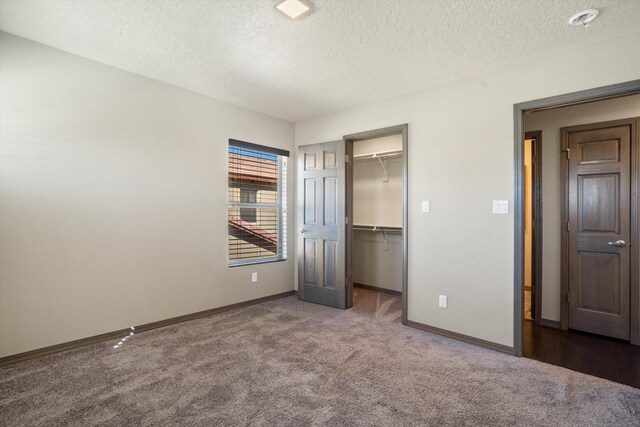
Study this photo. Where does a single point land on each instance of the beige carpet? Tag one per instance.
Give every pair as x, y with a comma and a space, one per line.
286, 362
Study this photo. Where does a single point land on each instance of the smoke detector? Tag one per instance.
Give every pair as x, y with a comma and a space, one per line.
584, 17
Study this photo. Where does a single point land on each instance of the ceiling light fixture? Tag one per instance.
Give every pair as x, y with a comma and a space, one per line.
584, 17
293, 8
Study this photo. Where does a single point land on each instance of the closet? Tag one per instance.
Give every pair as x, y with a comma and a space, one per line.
377, 257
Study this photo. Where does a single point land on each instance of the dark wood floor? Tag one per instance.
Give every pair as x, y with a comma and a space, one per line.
602, 357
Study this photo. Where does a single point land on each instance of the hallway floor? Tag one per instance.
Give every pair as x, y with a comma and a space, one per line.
591, 354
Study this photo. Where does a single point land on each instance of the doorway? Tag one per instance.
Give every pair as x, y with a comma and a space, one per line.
588, 96
576, 210
325, 197
533, 225
398, 225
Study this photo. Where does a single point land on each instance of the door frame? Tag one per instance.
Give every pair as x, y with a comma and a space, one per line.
580, 97
633, 205
536, 202
378, 133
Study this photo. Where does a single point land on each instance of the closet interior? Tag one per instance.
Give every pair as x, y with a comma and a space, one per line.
377, 257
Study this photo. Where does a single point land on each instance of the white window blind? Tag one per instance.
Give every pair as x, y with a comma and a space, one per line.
257, 218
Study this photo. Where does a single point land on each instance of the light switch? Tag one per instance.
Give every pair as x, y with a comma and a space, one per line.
426, 206
442, 301
254, 277
500, 206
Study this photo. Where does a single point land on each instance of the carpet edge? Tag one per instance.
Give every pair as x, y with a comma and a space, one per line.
59, 348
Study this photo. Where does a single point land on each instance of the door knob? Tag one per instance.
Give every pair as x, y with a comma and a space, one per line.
618, 243
301, 230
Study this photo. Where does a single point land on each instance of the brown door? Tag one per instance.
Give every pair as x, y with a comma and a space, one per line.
599, 202
321, 224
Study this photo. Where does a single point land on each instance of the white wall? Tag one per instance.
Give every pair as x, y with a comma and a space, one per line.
377, 262
461, 158
377, 145
377, 202
113, 193
550, 122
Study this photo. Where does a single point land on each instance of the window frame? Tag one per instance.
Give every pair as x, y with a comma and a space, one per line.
280, 205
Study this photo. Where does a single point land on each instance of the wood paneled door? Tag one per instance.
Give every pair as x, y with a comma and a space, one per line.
322, 256
598, 201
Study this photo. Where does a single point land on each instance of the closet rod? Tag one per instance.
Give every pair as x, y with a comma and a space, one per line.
378, 228
385, 231
378, 154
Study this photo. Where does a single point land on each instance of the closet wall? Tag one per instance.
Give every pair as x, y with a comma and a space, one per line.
377, 201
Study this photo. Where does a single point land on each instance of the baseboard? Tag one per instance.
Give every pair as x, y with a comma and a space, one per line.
377, 289
549, 323
58, 348
461, 337
34, 354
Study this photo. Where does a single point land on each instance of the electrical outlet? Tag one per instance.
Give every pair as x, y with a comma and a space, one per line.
442, 301
254, 277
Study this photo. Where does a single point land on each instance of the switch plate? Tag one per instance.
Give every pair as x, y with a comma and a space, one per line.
254, 277
500, 206
426, 206
442, 301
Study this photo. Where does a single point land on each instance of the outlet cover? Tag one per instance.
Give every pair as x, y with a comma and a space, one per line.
426, 206
254, 277
442, 301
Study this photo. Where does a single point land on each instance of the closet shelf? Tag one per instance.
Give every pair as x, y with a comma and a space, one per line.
381, 229
377, 155
385, 231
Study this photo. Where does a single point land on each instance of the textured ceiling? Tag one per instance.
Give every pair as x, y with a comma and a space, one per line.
345, 53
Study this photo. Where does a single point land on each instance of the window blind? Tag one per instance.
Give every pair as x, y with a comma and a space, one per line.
257, 203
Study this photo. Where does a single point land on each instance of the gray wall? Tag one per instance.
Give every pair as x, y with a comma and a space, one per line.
113, 193
461, 158
550, 122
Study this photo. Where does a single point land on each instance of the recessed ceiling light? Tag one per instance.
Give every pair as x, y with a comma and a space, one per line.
293, 8
584, 17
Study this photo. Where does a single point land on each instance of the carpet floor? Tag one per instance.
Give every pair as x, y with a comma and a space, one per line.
286, 362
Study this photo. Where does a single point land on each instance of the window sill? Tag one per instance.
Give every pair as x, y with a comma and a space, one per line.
255, 261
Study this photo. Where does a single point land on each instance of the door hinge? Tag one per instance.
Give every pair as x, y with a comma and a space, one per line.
346, 158
568, 151
568, 226
346, 220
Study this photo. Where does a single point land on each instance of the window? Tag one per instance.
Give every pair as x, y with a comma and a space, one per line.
248, 196
257, 203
